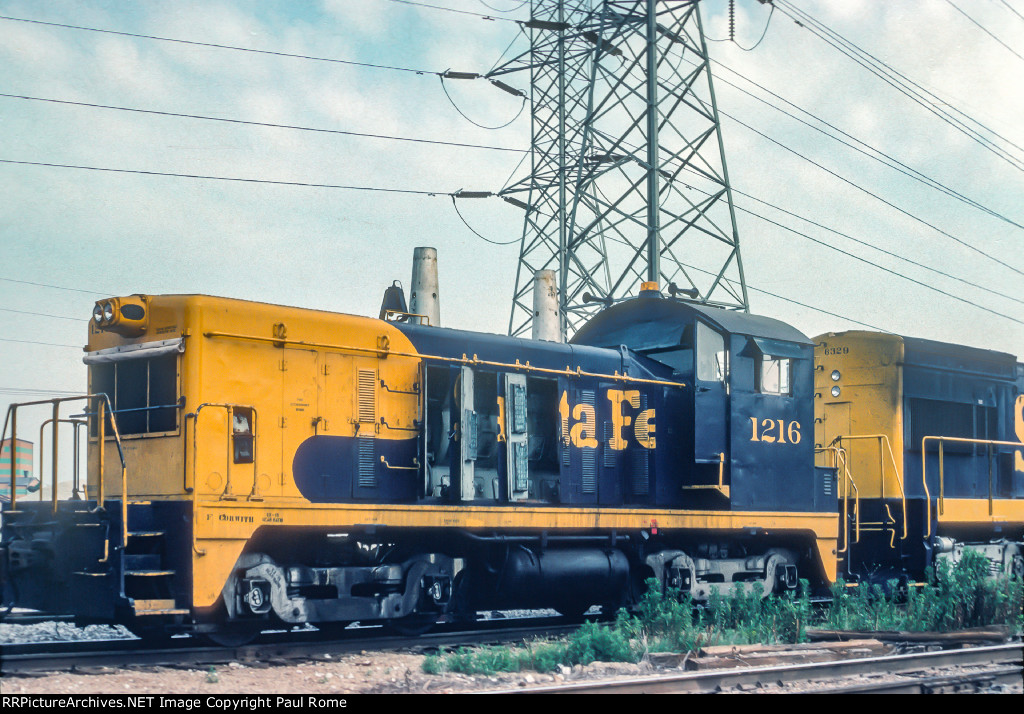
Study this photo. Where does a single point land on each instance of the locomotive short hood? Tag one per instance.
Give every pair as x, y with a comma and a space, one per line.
652, 322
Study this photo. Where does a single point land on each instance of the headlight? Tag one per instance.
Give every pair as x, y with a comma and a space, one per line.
835, 375
108, 311
97, 314
835, 391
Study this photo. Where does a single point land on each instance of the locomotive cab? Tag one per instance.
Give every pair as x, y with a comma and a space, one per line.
741, 440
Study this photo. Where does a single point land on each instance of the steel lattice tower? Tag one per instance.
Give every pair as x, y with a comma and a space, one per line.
628, 181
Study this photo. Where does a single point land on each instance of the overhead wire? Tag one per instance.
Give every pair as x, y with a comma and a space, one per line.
984, 29
220, 46
451, 9
307, 184
1011, 9
48, 285
875, 195
759, 290
901, 83
522, 106
247, 122
868, 150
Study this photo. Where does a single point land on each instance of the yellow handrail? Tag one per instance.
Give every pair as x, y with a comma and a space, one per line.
42, 427
882, 438
254, 493
839, 455
942, 485
103, 404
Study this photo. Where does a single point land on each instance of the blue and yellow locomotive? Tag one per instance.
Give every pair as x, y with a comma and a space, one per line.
251, 465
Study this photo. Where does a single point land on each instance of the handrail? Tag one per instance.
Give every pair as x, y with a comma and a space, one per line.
385, 351
103, 406
942, 485
254, 494
839, 454
77, 423
881, 469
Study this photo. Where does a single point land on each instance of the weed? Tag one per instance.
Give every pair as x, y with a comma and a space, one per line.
211, 676
667, 620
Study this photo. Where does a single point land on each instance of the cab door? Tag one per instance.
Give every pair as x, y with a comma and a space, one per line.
711, 395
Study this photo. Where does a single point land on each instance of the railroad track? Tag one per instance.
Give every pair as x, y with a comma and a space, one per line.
271, 647
919, 672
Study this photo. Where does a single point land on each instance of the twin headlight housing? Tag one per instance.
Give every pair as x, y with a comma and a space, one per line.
126, 316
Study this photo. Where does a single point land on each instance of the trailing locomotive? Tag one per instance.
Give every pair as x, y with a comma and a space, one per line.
252, 465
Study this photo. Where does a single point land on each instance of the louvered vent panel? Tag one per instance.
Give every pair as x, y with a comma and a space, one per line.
638, 475
609, 452
367, 462
367, 395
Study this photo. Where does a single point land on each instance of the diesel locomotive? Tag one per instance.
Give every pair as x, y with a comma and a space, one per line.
253, 465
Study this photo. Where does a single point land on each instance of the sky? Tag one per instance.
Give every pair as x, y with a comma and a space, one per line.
71, 236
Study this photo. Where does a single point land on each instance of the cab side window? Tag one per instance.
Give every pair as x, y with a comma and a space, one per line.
773, 375
712, 357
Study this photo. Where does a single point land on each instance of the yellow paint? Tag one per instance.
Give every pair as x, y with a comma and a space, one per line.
501, 419
620, 421
297, 390
223, 527
643, 429
584, 431
967, 511
871, 384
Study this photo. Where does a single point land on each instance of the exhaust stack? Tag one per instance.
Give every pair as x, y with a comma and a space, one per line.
423, 297
547, 323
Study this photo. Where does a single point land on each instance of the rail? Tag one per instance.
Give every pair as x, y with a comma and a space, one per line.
883, 439
103, 406
227, 495
942, 485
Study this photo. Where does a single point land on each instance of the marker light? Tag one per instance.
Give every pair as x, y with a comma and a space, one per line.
835, 391
835, 375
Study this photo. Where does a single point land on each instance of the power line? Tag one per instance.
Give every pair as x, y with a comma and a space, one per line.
42, 314
56, 287
459, 12
874, 195
33, 342
902, 83
229, 178
759, 290
246, 122
220, 46
984, 29
865, 260
868, 150
872, 246
1010, 8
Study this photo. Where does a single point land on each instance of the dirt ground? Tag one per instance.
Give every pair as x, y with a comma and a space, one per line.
364, 673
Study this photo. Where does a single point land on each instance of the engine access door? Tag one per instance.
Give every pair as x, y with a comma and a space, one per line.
711, 395
467, 430
517, 448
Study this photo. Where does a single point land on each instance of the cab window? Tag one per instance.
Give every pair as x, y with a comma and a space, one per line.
773, 375
712, 358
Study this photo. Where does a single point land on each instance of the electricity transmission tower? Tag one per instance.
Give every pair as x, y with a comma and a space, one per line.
627, 181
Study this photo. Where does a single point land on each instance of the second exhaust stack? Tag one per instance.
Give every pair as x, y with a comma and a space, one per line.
423, 298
